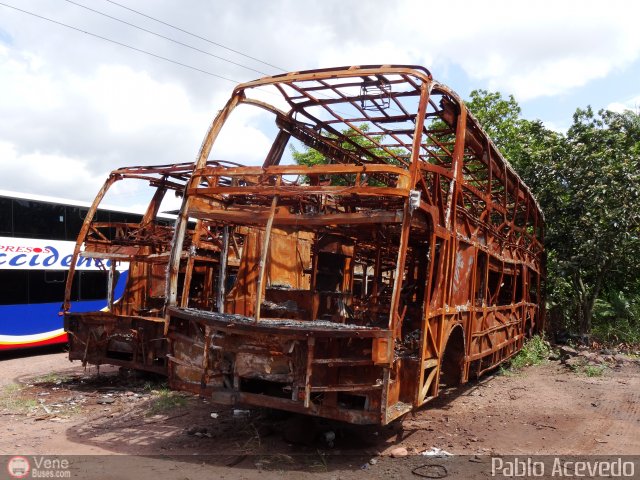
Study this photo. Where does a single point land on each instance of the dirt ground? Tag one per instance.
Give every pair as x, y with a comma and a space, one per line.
49, 406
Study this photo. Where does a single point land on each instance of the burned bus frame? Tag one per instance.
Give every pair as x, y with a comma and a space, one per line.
410, 260
129, 331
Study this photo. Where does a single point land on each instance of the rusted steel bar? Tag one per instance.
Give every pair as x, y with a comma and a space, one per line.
222, 273
307, 382
263, 256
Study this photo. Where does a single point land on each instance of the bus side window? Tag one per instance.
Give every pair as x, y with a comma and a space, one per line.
93, 285
46, 286
74, 220
38, 219
15, 287
6, 216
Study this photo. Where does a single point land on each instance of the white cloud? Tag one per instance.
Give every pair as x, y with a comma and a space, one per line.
529, 49
632, 104
59, 175
131, 101
244, 138
75, 107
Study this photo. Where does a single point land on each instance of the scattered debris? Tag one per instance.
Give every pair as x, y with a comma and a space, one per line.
398, 452
437, 452
431, 471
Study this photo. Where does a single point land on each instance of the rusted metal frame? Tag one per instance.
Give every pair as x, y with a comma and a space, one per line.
110, 285
327, 147
458, 153
504, 323
405, 230
184, 301
361, 417
302, 190
170, 168
263, 256
188, 340
426, 335
472, 159
407, 216
386, 117
312, 75
284, 118
399, 104
182, 220
222, 269
450, 223
447, 320
346, 99
349, 124
342, 362
470, 317
166, 183
81, 238
377, 273
438, 144
405, 117
324, 86
436, 194
154, 205
304, 329
495, 348
346, 388
286, 218
94, 228
340, 136
386, 132
425, 187
277, 149
309, 371
280, 170
205, 355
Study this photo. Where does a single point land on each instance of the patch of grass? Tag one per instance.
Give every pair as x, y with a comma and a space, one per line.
165, 400
533, 352
51, 377
11, 400
594, 370
506, 371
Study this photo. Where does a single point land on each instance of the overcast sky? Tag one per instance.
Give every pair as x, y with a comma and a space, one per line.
74, 107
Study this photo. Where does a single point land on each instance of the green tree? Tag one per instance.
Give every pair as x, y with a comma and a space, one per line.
599, 211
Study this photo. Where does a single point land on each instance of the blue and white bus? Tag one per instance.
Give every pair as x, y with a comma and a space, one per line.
37, 238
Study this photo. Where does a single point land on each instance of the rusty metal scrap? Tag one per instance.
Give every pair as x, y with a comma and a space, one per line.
130, 332
356, 289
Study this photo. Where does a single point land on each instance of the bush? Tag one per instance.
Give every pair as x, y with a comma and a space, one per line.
534, 351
